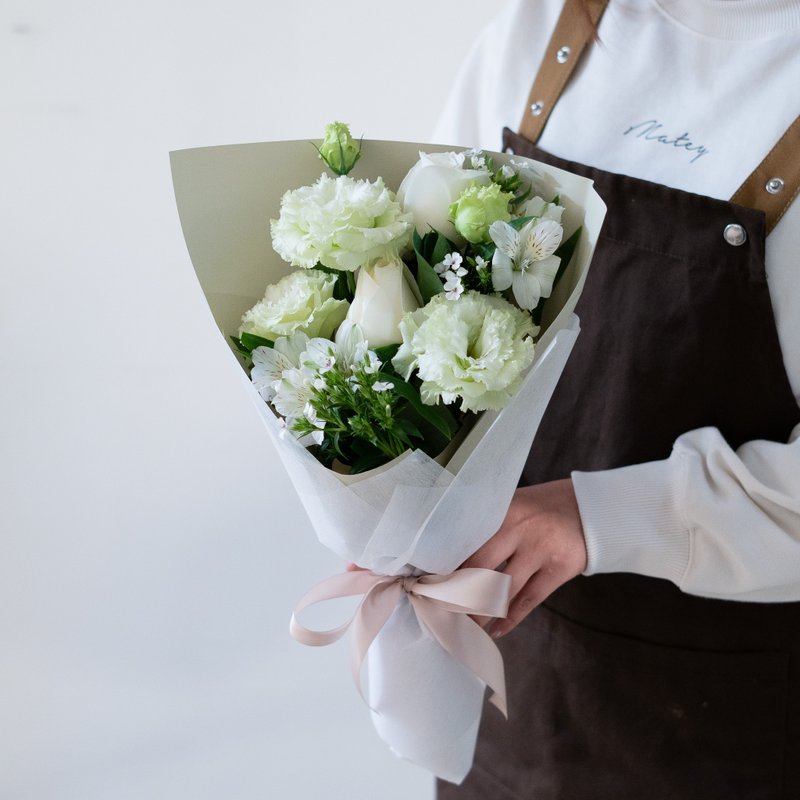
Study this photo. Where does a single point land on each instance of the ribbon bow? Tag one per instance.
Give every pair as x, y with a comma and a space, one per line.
442, 604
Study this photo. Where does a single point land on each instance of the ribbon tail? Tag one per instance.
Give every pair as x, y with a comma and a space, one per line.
468, 644
374, 611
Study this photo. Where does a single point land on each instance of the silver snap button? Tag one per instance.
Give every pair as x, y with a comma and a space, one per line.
537, 108
509, 150
774, 185
563, 54
734, 234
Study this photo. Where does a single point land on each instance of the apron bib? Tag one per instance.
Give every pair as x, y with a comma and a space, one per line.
621, 687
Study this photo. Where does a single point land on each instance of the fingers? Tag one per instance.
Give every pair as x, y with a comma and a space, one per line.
540, 586
493, 553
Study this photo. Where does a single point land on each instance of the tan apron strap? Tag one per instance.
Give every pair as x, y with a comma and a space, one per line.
575, 28
775, 182
770, 187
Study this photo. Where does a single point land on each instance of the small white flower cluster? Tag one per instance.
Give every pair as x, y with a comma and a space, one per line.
451, 272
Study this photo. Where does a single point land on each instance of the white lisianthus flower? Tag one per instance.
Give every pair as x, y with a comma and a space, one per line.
301, 301
385, 291
539, 207
433, 184
524, 259
341, 223
475, 349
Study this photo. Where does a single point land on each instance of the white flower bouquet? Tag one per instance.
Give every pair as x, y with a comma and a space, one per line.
416, 319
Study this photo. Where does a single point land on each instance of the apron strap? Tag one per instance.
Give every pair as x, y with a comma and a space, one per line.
576, 28
775, 182
771, 186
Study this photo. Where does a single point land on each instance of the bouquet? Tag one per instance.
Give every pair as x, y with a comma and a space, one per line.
402, 330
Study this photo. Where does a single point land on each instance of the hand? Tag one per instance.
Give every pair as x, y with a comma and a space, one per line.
540, 545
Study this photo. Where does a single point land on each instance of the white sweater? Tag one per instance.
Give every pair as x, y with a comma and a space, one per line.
722, 79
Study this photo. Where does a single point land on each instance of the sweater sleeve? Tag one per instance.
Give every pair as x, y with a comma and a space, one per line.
714, 521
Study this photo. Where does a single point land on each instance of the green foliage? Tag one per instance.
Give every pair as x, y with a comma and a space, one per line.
430, 249
247, 342
565, 251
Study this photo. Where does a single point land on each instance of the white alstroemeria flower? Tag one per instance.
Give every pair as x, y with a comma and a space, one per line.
293, 396
524, 259
269, 363
310, 413
320, 356
349, 351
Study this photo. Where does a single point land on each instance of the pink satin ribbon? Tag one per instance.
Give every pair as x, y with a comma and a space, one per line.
442, 604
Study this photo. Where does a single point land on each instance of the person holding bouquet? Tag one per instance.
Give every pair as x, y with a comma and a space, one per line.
652, 644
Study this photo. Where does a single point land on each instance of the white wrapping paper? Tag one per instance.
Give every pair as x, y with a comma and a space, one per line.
412, 514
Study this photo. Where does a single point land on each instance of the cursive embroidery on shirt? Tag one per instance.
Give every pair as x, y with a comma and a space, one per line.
650, 130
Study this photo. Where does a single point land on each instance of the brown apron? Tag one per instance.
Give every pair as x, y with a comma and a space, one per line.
621, 687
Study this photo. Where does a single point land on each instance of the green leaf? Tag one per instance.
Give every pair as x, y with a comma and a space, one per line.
519, 223
439, 415
565, 251
409, 428
368, 461
387, 352
428, 281
430, 250
485, 251
251, 341
237, 343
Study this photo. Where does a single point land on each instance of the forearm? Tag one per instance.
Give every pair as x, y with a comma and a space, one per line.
716, 522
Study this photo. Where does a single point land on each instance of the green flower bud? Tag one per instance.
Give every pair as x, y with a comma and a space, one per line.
338, 150
477, 208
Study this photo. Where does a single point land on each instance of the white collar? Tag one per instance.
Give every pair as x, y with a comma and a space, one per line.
735, 20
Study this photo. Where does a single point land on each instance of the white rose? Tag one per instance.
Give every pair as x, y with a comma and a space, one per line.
385, 291
432, 185
538, 207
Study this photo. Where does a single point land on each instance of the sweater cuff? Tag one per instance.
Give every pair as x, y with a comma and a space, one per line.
632, 522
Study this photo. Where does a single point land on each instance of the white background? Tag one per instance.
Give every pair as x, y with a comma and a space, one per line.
152, 549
